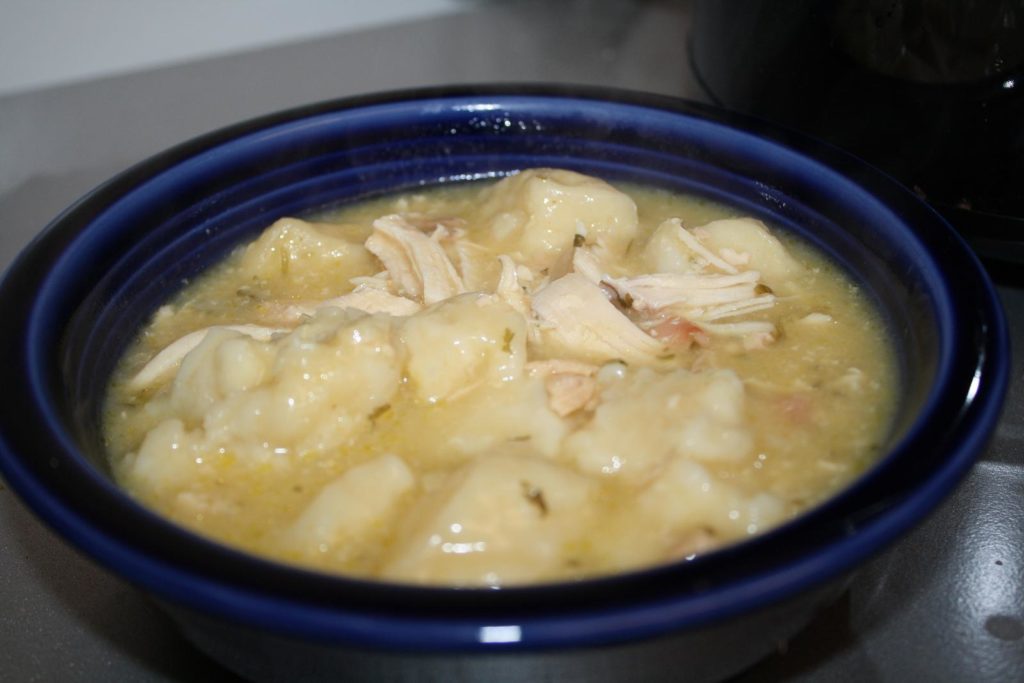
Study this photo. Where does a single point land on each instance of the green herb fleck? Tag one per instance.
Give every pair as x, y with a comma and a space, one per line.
535, 496
506, 345
378, 411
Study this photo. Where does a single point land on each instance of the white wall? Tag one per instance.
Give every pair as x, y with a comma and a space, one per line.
51, 42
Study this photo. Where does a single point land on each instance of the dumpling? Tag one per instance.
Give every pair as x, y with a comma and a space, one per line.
351, 509
461, 343
750, 240
538, 213
311, 259
646, 417
307, 391
500, 519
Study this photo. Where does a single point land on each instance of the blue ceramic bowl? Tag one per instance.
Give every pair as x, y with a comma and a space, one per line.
77, 295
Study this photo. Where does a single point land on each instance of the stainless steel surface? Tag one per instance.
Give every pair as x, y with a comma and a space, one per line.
947, 603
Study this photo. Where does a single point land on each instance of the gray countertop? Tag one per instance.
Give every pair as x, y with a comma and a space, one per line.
946, 603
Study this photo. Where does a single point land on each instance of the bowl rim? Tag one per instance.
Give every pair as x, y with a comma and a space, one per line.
657, 608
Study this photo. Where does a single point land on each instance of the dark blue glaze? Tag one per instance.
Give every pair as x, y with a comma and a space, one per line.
74, 299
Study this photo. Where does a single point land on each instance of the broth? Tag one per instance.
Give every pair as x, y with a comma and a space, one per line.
539, 379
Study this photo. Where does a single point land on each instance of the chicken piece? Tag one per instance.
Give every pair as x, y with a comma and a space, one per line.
539, 212
678, 333
586, 263
379, 280
674, 249
704, 255
560, 366
418, 264
164, 364
568, 393
750, 238
735, 258
451, 226
708, 296
755, 333
691, 296
509, 289
500, 519
664, 252
577, 319
478, 268
374, 300
363, 298
704, 300
816, 320
570, 385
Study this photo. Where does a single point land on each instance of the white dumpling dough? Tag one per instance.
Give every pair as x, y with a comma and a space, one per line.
311, 256
352, 508
767, 254
538, 213
307, 391
698, 415
687, 496
464, 342
500, 519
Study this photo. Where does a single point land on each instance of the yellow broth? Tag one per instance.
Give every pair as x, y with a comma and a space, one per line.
477, 477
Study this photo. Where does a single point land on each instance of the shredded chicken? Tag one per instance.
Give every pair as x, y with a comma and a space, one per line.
163, 364
509, 290
568, 393
417, 263
579, 311
475, 264
570, 384
379, 281
363, 298
559, 366
734, 308
694, 245
694, 291
734, 257
575, 314
677, 332
698, 297
816, 319
702, 299
739, 329
586, 263
750, 241
453, 225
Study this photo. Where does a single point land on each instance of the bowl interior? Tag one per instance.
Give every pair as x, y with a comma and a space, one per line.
126, 248
192, 214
